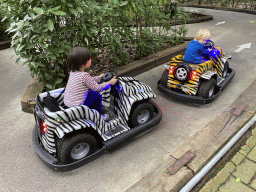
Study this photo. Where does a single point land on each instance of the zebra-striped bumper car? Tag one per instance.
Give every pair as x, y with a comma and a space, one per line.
67, 138
197, 83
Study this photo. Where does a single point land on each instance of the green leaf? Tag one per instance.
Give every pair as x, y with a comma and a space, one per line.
50, 25
122, 4
4, 18
53, 57
109, 23
58, 12
49, 86
38, 10
88, 33
69, 4
41, 64
59, 81
54, 9
34, 36
61, 75
80, 10
73, 11
17, 61
84, 26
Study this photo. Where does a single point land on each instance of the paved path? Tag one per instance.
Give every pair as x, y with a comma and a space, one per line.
239, 174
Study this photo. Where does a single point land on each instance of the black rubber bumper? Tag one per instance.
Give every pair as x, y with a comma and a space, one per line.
192, 98
52, 162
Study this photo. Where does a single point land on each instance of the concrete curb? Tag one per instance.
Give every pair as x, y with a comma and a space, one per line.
132, 69
205, 143
202, 18
33, 89
5, 44
221, 8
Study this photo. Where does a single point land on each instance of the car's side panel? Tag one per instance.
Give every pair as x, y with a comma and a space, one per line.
208, 75
69, 120
133, 91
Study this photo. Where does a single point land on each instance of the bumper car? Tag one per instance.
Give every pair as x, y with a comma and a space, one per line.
197, 83
67, 138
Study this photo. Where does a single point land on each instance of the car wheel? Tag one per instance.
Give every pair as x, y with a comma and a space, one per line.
207, 88
141, 114
225, 70
76, 147
164, 78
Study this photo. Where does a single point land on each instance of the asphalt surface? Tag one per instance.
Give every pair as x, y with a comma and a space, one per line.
21, 169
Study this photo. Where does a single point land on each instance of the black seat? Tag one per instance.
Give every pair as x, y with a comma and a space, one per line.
51, 103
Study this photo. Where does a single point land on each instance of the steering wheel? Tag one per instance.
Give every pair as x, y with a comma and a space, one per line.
209, 44
108, 75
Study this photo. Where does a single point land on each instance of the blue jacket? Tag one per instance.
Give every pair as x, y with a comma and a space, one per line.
194, 51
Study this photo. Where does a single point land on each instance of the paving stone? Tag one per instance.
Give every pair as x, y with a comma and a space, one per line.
220, 178
206, 189
212, 185
232, 186
254, 132
237, 158
229, 167
245, 171
253, 184
252, 155
251, 142
244, 150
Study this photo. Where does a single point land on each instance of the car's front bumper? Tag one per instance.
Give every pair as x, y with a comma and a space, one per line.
192, 98
52, 162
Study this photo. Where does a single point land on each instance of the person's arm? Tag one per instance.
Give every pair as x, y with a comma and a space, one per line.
202, 49
98, 78
90, 83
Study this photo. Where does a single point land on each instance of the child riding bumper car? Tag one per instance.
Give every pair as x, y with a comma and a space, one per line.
66, 138
198, 83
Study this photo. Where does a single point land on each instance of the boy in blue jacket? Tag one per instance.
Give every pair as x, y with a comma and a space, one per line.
196, 47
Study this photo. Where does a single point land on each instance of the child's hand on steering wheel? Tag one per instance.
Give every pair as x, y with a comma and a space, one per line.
113, 81
101, 75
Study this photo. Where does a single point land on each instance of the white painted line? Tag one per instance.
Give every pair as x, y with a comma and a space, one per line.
245, 46
222, 22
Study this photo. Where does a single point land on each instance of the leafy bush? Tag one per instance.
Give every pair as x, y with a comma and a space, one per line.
45, 31
4, 22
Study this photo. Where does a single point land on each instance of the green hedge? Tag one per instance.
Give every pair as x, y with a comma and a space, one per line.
4, 22
45, 31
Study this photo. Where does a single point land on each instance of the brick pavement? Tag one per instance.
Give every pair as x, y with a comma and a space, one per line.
239, 174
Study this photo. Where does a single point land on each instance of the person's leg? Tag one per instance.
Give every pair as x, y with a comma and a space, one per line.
93, 101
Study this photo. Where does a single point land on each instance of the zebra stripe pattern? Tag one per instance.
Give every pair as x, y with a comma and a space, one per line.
205, 70
80, 117
133, 90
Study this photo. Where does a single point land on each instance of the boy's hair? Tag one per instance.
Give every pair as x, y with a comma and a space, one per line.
202, 33
77, 57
